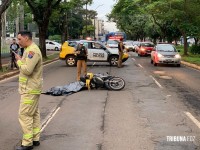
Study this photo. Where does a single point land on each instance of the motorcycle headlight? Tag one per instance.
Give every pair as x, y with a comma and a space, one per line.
160, 55
177, 56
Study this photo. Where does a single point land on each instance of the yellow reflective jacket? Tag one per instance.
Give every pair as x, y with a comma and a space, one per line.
31, 68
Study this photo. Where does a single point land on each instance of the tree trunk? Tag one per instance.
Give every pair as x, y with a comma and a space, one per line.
196, 41
64, 29
185, 44
0, 42
21, 17
42, 38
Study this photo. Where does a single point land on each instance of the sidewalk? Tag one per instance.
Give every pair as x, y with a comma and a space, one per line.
5, 62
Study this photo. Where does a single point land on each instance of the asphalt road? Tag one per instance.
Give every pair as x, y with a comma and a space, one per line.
149, 113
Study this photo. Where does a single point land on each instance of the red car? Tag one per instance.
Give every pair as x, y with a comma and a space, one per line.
145, 48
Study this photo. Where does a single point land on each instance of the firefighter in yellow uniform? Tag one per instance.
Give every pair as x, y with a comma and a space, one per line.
30, 86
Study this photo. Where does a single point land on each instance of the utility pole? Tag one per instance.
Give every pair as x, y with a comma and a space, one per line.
86, 18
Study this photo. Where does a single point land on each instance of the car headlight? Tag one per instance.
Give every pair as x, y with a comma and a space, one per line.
142, 49
160, 55
177, 56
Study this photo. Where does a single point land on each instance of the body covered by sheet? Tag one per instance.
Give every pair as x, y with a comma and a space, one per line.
66, 89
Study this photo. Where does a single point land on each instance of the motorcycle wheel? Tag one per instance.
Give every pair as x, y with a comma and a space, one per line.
116, 83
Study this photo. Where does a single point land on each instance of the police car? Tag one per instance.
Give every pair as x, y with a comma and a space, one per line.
97, 52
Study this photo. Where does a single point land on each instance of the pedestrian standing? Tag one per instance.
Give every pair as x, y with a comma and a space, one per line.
120, 51
81, 53
30, 86
13, 49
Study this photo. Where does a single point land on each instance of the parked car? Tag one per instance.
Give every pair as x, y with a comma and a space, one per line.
145, 48
112, 43
97, 52
165, 54
51, 45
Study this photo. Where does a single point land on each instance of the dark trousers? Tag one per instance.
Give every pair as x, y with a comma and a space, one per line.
13, 61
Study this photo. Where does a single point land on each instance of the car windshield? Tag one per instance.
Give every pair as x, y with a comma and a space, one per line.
72, 44
147, 44
112, 42
166, 48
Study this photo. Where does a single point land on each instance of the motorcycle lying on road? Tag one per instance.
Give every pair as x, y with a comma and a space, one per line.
90, 81
94, 81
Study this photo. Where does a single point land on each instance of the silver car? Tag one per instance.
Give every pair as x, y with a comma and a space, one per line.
165, 54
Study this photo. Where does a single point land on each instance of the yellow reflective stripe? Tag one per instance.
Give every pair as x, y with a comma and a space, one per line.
19, 63
27, 136
22, 79
90, 75
36, 130
28, 101
35, 92
88, 84
88, 80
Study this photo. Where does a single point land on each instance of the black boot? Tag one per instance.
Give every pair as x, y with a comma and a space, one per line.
24, 147
36, 143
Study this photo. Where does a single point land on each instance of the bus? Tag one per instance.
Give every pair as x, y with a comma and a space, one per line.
115, 36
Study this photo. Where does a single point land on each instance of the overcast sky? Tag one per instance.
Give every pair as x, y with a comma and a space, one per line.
104, 7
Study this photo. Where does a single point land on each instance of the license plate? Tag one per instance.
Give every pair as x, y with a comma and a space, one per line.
168, 60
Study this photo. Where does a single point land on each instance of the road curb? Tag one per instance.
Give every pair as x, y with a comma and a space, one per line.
190, 65
10, 74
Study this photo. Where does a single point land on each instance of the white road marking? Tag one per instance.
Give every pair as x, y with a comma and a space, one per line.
140, 66
160, 86
93, 63
49, 118
193, 119
133, 59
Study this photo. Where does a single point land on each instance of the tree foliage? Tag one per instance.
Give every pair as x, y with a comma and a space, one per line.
167, 19
42, 11
4, 5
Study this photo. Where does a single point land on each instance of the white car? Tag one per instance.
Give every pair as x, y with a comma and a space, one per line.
51, 45
97, 52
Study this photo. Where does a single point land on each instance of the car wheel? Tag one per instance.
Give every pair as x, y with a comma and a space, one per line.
139, 55
56, 49
70, 61
178, 65
113, 60
151, 61
155, 64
